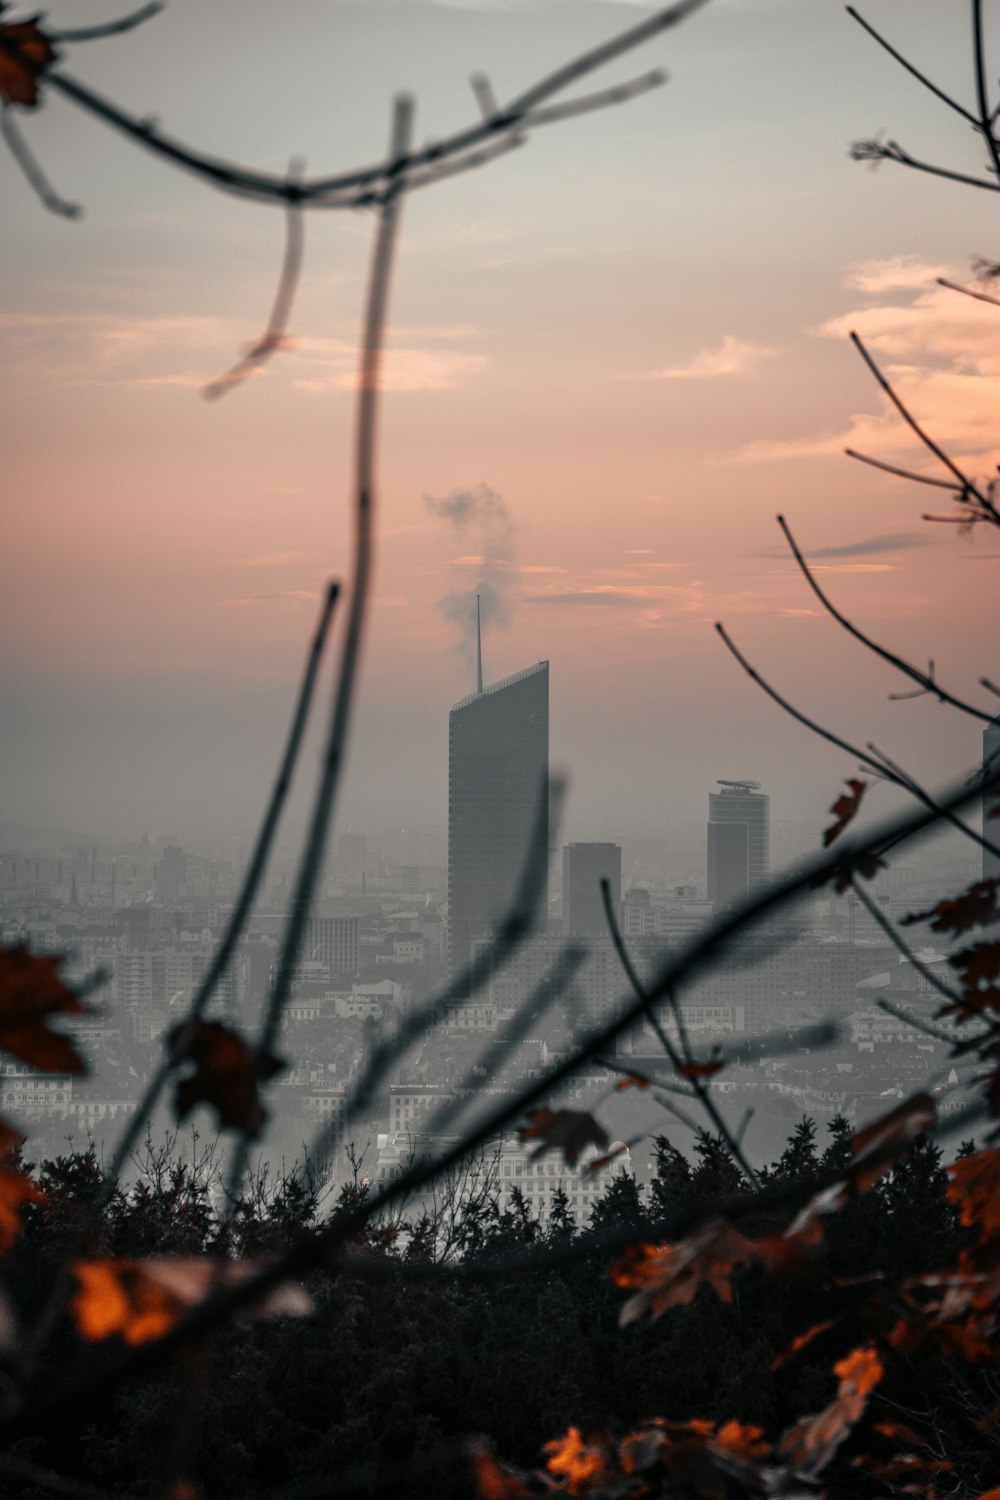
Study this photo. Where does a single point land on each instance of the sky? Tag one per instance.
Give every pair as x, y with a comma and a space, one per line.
614, 356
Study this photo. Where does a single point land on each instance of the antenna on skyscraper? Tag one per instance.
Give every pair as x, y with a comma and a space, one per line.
479, 650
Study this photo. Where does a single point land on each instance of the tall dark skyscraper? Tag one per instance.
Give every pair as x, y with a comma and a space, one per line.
991, 826
584, 866
498, 763
739, 841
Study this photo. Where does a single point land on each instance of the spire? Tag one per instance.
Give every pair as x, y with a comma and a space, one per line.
479, 650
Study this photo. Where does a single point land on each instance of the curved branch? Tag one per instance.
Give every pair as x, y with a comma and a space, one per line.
914, 72
109, 28
23, 155
876, 463
926, 682
984, 122
902, 946
875, 151
967, 486
273, 338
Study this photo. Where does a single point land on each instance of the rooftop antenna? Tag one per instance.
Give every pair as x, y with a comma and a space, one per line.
479, 650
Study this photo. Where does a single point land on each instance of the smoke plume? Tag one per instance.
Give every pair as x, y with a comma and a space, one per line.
478, 521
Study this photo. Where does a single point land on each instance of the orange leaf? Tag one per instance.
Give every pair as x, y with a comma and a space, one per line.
19, 74
845, 809
226, 1072
975, 1190
633, 1081
31, 990
579, 1462
800, 1341
811, 1443
697, 1069
565, 1130
494, 1481
142, 1299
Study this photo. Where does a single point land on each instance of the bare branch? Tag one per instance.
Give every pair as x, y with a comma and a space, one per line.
953, 286
876, 151
967, 486
982, 98
273, 338
899, 942
20, 151
925, 681
876, 463
110, 28
914, 72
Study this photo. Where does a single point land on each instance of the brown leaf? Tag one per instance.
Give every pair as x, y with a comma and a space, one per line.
973, 908
979, 966
494, 1480
31, 990
633, 1081
567, 1130
665, 1276
140, 1300
226, 1073
811, 1443
845, 809
16, 1189
974, 1190
19, 75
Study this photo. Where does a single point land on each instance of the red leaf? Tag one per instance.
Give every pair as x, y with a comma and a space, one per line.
697, 1069
978, 966
974, 1189
226, 1072
633, 1081
15, 1190
973, 908
567, 1130
19, 78
845, 809
494, 1480
30, 990
800, 1341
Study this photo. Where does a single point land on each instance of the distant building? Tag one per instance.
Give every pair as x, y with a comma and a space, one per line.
739, 833
991, 826
333, 941
498, 760
584, 866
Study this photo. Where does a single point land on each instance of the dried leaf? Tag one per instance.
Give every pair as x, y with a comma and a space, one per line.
140, 1300
226, 1073
979, 966
494, 1480
974, 1189
633, 1081
19, 78
973, 908
567, 1130
845, 809
31, 990
665, 1276
811, 1443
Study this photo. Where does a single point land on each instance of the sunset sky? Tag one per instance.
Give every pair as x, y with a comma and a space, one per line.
625, 344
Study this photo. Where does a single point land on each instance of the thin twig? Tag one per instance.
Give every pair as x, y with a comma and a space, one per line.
20, 151
954, 286
698, 1085
899, 942
982, 97
875, 151
914, 72
968, 487
109, 28
274, 336
876, 463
